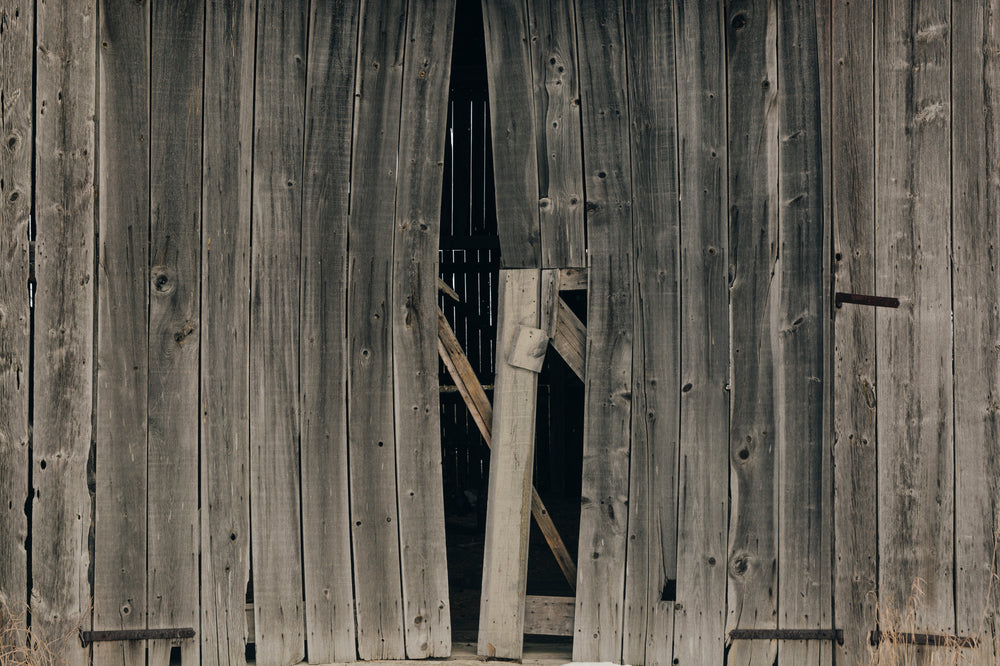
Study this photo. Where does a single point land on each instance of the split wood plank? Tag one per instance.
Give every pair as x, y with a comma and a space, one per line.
570, 338
227, 158
374, 514
652, 547
572, 279
279, 115
505, 565
426, 72
326, 536
854, 457
914, 343
16, 91
556, 98
975, 129
753, 226
607, 407
122, 342
703, 506
801, 320
64, 323
177, 34
549, 616
515, 166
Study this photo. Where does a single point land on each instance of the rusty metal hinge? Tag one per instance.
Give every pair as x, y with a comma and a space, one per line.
88, 637
863, 299
789, 634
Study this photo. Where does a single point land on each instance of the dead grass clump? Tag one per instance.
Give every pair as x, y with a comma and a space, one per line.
20, 646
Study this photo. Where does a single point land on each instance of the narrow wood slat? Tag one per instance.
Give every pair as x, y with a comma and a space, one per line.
549, 616
426, 71
279, 114
572, 279
377, 586
607, 407
570, 338
122, 344
505, 565
230, 30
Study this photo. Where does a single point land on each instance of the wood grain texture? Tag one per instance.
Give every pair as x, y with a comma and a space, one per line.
505, 564
607, 397
854, 405
426, 71
64, 323
123, 314
652, 545
549, 616
703, 506
512, 124
374, 515
227, 156
753, 228
173, 543
279, 114
570, 338
16, 92
556, 98
914, 342
326, 536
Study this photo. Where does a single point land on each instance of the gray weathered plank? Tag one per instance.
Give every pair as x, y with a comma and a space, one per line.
174, 312
426, 71
604, 512
505, 565
549, 616
122, 318
570, 338
853, 165
377, 585
753, 210
227, 157
279, 115
326, 536
512, 124
914, 342
652, 526
703, 505
556, 99
64, 323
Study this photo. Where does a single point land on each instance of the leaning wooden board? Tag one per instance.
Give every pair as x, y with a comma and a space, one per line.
122, 317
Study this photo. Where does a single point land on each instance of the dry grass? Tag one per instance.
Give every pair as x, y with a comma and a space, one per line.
20, 646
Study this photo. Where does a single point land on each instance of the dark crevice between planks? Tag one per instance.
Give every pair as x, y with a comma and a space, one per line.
31, 289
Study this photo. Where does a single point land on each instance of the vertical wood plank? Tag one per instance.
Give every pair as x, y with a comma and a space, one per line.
914, 343
556, 98
174, 312
230, 29
64, 323
975, 129
374, 512
505, 567
426, 72
703, 486
652, 527
123, 315
279, 114
326, 536
753, 200
512, 122
600, 588
853, 196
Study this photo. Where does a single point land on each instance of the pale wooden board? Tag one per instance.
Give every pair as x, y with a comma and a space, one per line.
556, 99
174, 312
753, 210
570, 338
853, 163
975, 128
512, 125
914, 342
227, 157
600, 589
279, 115
549, 616
326, 536
703, 505
505, 564
16, 55
572, 279
426, 72
64, 324
378, 89
529, 347
652, 526
122, 317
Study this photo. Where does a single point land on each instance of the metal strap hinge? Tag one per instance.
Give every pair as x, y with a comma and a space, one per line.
789, 634
863, 299
88, 637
